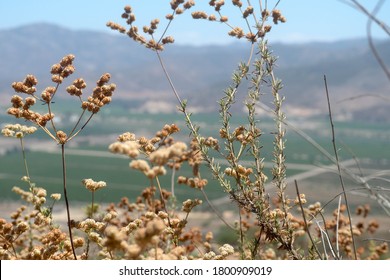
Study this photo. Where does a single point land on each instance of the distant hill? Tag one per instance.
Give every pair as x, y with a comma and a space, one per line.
200, 73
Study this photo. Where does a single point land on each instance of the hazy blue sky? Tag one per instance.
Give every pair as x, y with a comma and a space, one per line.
307, 20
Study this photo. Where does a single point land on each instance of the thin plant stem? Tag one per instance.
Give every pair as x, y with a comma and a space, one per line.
25, 164
162, 199
78, 121
91, 217
338, 166
371, 42
327, 234
215, 210
337, 227
173, 181
70, 137
66, 199
305, 221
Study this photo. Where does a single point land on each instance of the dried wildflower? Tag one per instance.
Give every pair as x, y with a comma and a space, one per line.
248, 11
168, 40
372, 226
212, 18
94, 237
199, 15
140, 165
63, 69
363, 210
56, 196
302, 198
156, 171
27, 196
115, 26
17, 130
277, 16
162, 215
196, 182
226, 250
61, 136
129, 148
110, 216
163, 155
209, 256
218, 5
223, 19
237, 32
189, 4
237, 3
93, 186
127, 136
21, 227
189, 204
27, 86
48, 94
211, 142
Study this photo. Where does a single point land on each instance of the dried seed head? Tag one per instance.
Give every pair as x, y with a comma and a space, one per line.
277, 16
189, 4
237, 32
199, 15
67, 60
169, 16
237, 3
105, 78
223, 19
154, 23
168, 40
248, 11
127, 9
56, 196
212, 18
92, 185
61, 136
30, 81
219, 4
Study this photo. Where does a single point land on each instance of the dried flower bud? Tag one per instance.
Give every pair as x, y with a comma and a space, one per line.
168, 40
212, 18
223, 19
30, 81
127, 136
57, 79
237, 3
93, 186
199, 15
277, 16
67, 71
127, 9
56, 69
67, 60
169, 16
105, 78
56, 196
248, 11
61, 136
189, 4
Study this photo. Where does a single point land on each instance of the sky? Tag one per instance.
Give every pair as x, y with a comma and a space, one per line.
307, 20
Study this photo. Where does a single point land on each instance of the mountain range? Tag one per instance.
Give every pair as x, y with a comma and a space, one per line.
357, 86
